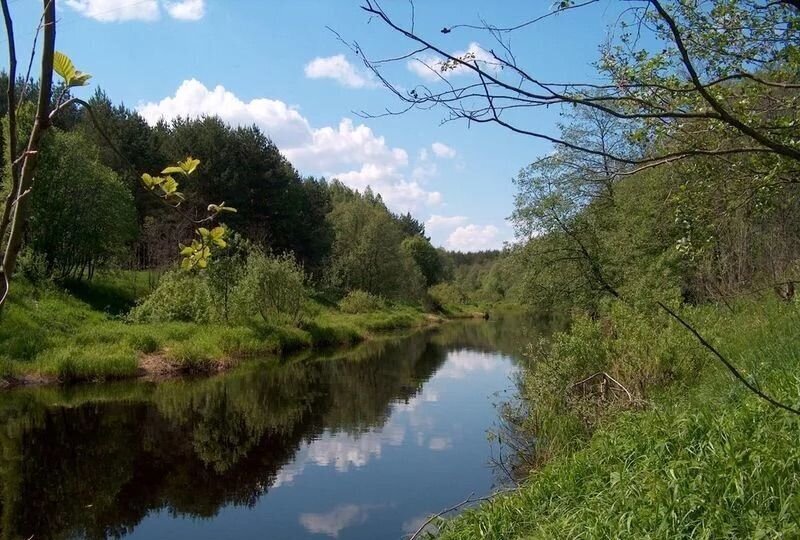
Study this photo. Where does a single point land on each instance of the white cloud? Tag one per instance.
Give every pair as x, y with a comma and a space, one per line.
186, 10
443, 151
462, 363
438, 222
333, 522
116, 10
143, 10
347, 144
430, 67
339, 69
474, 238
423, 171
352, 153
284, 124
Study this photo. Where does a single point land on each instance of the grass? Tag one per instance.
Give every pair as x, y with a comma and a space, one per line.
705, 459
74, 333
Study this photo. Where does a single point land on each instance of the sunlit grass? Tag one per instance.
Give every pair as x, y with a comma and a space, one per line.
49, 332
706, 459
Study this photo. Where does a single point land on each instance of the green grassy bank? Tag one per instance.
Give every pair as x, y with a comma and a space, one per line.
78, 332
701, 457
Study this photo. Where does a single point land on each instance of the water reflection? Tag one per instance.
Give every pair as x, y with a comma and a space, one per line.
359, 445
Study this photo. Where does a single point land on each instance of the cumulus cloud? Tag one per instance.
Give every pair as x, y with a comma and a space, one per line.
437, 222
346, 144
430, 67
443, 151
144, 10
116, 10
339, 69
284, 124
352, 153
186, 10
474, 238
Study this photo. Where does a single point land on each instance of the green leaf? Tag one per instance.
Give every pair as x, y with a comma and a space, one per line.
169, 185
64, 67
173, 170
189, 165
80, 79
187, 250
202, 231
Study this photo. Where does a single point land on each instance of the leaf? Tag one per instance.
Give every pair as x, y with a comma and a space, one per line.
80, 79
169, 185
202, 231
173, 170
218, 208
64, 67
187, 250
189, 165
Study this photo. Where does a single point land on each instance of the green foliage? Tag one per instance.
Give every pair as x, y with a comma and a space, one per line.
82, 215
447, 294
273, 287
207, 241
64, 67
426, 257
178, 297
706, 459
361, 302
367, 253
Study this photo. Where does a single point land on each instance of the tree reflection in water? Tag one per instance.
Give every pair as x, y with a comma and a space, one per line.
92, 461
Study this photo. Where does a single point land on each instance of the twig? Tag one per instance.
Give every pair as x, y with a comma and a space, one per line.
769, 399
607, 376
466, 501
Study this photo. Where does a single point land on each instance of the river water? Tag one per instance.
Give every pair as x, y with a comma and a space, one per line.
358, 445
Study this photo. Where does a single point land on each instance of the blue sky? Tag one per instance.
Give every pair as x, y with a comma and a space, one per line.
275, 64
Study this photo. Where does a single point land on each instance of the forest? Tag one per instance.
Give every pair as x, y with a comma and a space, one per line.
306, 261
658, 242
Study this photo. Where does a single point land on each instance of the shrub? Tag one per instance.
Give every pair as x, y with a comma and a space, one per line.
179, 296
361, 302
273, 287
446, 294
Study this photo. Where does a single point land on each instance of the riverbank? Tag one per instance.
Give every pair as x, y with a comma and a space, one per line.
52, 335
698, 456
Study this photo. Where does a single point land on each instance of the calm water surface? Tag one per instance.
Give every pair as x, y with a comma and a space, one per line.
362, 445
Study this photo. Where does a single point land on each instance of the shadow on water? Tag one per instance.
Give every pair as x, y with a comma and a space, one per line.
93, 461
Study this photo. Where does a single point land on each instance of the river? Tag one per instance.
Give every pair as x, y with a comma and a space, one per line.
357, 445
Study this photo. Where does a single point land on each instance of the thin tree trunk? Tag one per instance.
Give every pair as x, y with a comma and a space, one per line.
21, 207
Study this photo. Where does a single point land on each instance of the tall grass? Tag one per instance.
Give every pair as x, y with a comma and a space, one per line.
705, 459
48, 332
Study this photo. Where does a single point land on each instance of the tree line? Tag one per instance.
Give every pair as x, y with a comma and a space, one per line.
90, 211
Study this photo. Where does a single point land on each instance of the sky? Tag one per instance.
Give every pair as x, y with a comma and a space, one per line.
277, 64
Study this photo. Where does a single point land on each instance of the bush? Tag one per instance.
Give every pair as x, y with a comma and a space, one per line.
361, 302
447, 294
273, 287
179, 296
